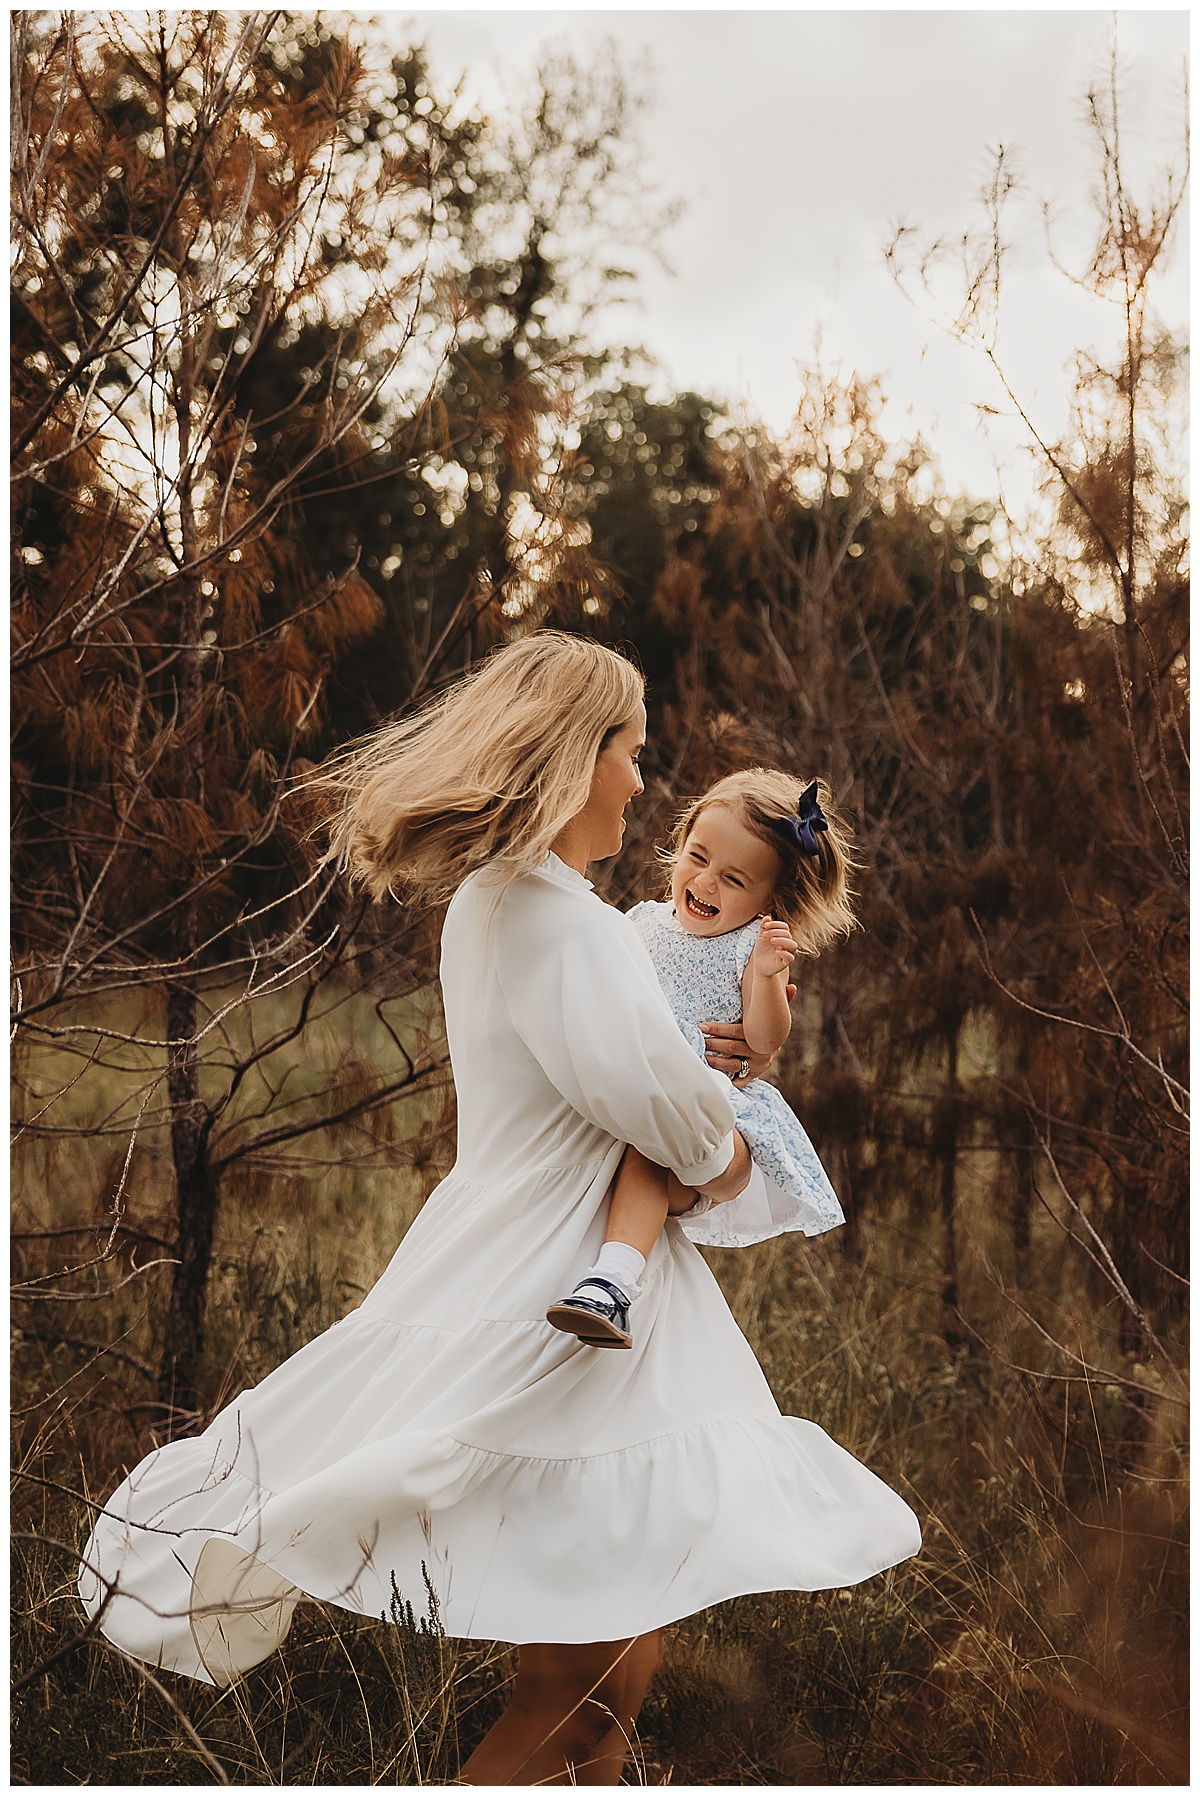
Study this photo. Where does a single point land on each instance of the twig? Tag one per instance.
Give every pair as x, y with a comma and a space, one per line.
24, 1294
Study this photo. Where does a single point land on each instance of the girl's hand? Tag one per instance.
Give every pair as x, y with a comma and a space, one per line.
774, 951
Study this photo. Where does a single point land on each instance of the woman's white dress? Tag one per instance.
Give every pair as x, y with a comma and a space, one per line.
549, 1491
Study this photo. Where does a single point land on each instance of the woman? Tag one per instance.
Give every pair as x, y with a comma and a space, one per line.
549, 1493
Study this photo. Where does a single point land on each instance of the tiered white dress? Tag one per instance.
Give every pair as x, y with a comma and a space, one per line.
549, 1491
701, 976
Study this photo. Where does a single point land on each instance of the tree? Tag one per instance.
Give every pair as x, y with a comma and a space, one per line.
537, 212
295, 352
833, 613
221, 231
832, 620
1115, 472
1111, 970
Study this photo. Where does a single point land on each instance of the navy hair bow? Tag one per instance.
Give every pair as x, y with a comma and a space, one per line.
802, 828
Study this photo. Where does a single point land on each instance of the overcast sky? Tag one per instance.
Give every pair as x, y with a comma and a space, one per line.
799, 139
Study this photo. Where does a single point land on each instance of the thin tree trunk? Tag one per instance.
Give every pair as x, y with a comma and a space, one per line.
851, 1240
839, 1160
1129, 585
195, 1188
195, 1204
1022, 1210
498, 548
533, 283
948, 1141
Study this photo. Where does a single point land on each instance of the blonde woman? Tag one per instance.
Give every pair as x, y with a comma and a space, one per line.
570, 1501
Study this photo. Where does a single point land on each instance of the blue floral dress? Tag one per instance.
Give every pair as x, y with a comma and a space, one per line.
702, 979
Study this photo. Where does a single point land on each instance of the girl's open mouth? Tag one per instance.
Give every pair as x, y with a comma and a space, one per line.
706, 912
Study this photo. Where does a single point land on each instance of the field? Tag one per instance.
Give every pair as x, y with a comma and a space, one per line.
1040, 1637
314, 406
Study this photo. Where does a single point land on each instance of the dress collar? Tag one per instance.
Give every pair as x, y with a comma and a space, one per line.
671, 922
554, 868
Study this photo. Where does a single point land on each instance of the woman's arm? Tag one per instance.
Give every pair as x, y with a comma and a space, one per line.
731, 1183
584, 998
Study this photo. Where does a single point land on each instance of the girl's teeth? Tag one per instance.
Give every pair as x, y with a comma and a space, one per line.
702, 910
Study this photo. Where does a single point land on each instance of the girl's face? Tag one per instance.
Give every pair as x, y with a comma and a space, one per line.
724, 875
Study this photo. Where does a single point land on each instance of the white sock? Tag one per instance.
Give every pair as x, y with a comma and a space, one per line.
620, 1265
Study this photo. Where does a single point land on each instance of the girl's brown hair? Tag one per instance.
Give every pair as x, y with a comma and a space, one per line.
488, 772
812, 892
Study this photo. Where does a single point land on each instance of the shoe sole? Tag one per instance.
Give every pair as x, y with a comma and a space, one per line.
592, 1329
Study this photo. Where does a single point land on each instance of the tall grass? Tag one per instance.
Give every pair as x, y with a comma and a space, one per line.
1040, 1636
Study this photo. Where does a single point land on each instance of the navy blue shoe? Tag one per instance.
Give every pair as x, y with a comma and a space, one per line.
600, 1321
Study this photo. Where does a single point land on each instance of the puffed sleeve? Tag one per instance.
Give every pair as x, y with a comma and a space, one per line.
584, 998
744, 943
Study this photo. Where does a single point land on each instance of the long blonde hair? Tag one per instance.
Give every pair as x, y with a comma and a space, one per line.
812, 892
490, 771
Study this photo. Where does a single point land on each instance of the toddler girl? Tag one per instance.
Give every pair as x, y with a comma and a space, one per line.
759, 871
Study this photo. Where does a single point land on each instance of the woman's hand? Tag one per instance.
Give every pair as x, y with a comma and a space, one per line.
725, 1048
727, 1185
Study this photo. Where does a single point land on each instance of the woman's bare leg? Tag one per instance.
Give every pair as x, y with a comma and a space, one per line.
641, 1663
571, 1716
637, 1208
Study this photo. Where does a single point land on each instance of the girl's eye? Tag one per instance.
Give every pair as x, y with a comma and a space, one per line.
734, 882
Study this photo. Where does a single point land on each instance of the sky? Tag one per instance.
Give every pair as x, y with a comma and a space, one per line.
798, 140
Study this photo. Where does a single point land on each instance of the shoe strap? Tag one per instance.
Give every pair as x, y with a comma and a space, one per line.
603, 1284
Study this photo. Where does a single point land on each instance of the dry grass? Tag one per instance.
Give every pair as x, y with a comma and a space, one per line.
1040, 1637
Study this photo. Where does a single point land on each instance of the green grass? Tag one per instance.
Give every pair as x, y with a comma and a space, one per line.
1040, 1636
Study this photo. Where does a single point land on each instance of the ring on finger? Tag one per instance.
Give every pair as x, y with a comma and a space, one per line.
743, 1068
